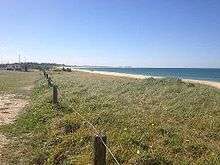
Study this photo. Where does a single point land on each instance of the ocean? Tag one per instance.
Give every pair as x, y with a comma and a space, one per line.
183, 73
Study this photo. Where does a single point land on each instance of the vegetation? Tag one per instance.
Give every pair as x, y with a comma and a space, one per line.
19, 83
148, 121
32, 65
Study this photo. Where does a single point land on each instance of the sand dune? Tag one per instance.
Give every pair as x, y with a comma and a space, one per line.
204, 82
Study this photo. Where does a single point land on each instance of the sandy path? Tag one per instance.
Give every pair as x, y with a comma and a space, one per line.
209, 83
9, 109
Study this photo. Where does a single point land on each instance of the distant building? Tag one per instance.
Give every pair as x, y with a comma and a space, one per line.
16, 67
25, 68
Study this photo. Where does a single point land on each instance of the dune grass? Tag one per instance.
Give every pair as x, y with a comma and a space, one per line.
152, 121
19, 83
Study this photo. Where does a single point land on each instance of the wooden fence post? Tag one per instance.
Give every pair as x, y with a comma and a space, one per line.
49, 82
55, 94
99, 150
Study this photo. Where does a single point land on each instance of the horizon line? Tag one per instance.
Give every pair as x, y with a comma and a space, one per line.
111, 66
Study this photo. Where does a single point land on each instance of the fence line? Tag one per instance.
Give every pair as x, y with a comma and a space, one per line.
98, 134
51, 83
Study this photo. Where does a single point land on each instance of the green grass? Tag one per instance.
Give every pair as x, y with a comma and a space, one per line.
18, 83
146, 121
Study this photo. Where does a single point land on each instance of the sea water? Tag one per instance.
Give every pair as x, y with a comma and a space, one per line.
209, 74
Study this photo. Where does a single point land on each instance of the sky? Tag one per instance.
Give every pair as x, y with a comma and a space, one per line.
138, 33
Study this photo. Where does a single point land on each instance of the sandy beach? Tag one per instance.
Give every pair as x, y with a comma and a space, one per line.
204, 82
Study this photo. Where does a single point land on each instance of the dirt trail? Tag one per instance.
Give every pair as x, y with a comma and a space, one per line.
10, 107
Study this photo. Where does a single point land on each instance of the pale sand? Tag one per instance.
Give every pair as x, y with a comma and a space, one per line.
10, 107
209, 83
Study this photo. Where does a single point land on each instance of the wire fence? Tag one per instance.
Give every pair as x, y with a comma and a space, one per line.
51, 83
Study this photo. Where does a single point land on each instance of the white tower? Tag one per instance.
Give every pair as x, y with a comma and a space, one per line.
19, 58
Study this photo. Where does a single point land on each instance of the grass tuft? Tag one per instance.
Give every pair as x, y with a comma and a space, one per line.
151, 121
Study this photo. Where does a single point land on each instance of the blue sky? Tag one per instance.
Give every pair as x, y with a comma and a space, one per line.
143, 33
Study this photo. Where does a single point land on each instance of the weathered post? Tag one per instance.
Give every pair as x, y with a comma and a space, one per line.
55, 95
99, 150
49, 82
46, 75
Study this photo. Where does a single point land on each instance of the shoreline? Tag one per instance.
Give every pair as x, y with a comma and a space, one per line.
203, 82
